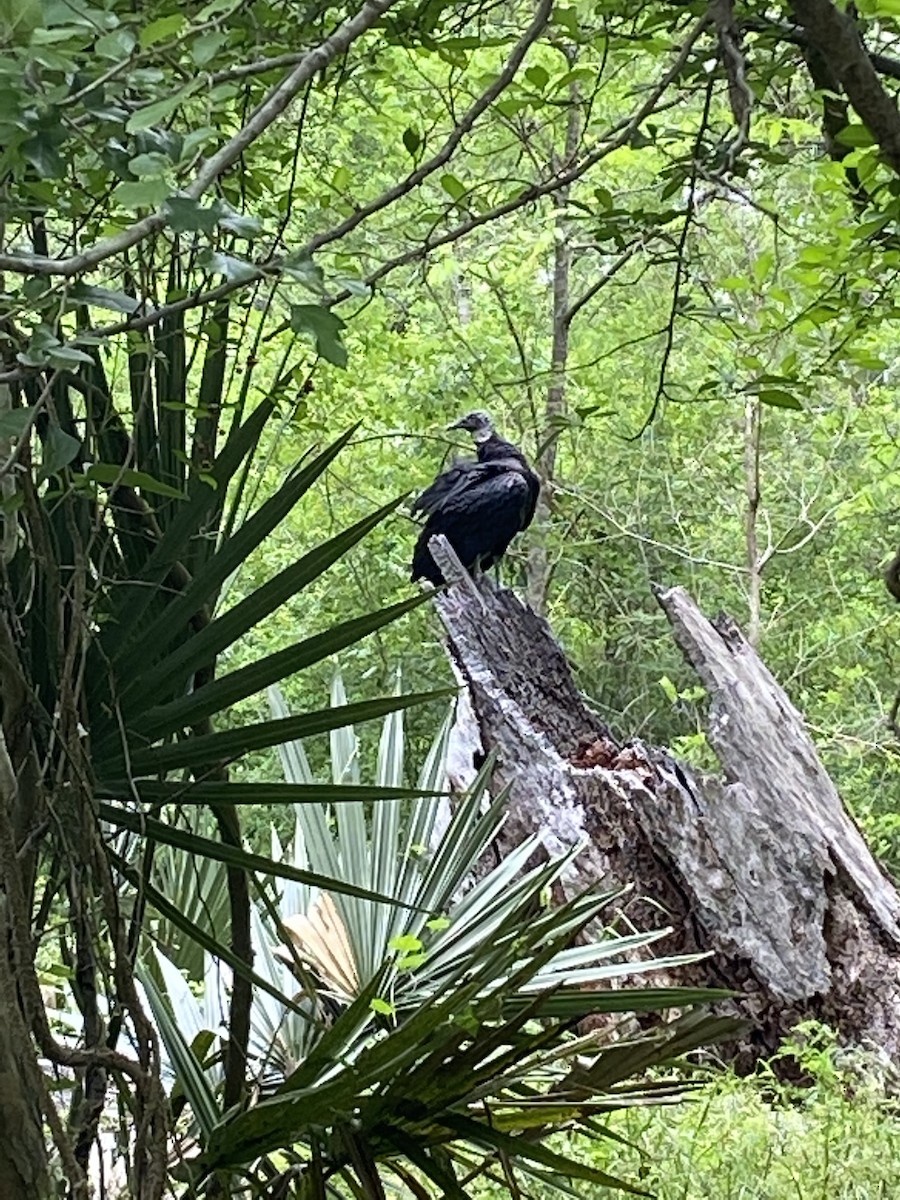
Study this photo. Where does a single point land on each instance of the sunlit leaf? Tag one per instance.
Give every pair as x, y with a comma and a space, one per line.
125, 477
161, 29
325, 326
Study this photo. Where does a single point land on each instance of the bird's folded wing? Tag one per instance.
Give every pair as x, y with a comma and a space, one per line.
464, 482
433, 496
483, 495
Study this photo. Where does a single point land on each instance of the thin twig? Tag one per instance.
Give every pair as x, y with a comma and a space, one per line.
443, 156
679, 271
610, 273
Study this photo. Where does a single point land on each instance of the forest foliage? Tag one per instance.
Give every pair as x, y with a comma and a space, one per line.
658, 242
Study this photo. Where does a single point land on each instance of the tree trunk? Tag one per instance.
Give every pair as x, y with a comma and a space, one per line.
763, 866
23, 1156
538, 568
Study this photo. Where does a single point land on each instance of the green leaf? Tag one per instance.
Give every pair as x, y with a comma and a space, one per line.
429, 1164
160, 111
671, 691
528, 1149
453, 187
234, 269
230, 555
14, 422
110, 473
509, 106
117, 44
763, 266
149, 166
171, 912
411, 140
196, 140
130, 602
568, 19
212, 792
60, 448
42, 151
221, 693
604, 197
325, 326
161, 29
67, 357
189, 1071
538, 77
185, 215
146, 193
778, 398
405, 943
232, 744
232, 856
101, 297
855, 136
302, 268
206, 47
240, 224
19, 18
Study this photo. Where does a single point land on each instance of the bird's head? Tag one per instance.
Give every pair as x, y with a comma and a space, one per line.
477, 423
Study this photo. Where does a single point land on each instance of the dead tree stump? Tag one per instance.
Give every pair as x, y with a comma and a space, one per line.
763, 867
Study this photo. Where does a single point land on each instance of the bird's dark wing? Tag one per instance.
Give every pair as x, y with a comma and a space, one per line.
460, 482
534, 491
446, 483
486, 490
479, 508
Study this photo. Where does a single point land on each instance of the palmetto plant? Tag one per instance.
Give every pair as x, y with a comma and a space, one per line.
427, 1041
117, 546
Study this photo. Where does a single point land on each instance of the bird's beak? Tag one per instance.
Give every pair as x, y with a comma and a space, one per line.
456, 424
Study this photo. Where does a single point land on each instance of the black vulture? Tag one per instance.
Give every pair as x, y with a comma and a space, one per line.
479, 506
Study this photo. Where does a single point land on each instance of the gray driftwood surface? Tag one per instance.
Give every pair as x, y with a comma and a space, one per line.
763, 866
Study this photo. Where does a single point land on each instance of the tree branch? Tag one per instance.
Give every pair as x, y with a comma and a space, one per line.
835, 36
611, 271
789, 32
468, 119
619, 135
268, 111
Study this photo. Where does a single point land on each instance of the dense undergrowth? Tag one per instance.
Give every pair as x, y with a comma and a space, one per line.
836, 1137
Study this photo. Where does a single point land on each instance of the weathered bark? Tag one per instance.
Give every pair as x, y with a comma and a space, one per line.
763, 867
23, 1157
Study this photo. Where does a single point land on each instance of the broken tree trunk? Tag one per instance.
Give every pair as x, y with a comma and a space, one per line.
763, 867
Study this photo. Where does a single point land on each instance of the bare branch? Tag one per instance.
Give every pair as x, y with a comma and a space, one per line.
443, 156
735, 67
690, 209
259, 67
789, 32
610, 273
618, 136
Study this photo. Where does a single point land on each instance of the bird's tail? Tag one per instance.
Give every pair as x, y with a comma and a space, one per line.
423, 565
